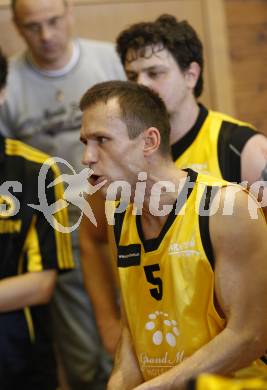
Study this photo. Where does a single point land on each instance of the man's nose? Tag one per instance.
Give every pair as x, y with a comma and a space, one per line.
89, 155
45, 32
143, 79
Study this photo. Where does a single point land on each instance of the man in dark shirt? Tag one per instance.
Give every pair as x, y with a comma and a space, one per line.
32, 252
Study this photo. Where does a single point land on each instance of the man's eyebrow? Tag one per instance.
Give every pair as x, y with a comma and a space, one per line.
33, 22
97, 133
156, 66
82, 139
147, 68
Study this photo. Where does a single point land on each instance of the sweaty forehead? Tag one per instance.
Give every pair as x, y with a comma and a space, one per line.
147, 57
102, 112
146, 52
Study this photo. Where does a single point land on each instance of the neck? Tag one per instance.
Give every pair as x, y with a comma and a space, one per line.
158, 197
183, 119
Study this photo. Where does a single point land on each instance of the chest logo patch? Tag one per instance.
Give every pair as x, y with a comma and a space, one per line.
129, 255
162, 328
183, 249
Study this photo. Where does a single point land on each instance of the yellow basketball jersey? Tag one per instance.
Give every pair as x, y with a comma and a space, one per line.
214, 145
213, 382
167, 284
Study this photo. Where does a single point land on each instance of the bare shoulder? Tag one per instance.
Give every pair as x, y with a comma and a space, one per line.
258, 140
235, 216
254, 158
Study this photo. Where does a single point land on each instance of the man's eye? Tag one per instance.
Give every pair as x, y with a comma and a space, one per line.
101, 140
32, 27
153, 75
131, 77
54, 21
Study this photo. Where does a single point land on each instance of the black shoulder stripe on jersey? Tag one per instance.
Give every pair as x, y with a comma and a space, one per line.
119, 217
182, 144
191, 384
264, 358
203, 218
231, 141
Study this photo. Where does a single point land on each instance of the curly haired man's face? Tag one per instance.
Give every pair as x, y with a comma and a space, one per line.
158, 70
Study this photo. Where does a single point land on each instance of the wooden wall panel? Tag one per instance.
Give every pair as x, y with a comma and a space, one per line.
9, 39
247, 32
104, 19
216, 48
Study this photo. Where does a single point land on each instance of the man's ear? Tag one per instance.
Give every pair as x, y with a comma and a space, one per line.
192, 74
152, 140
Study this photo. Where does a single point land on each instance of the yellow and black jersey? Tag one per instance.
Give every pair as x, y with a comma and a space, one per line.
28, 243
167, 283
214, 145
213, 382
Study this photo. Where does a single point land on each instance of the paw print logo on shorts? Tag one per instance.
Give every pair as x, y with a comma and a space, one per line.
169, 330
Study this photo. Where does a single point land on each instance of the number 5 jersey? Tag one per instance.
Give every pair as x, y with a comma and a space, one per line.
167, 283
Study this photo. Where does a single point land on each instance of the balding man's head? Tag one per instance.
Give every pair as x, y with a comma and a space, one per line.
46, 27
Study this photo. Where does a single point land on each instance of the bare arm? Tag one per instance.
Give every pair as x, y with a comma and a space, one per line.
241, 290
99, 276
254, 167
126, 374
29, 289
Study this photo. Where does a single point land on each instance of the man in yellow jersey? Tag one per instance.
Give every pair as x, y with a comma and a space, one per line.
167, 56
191, 249
32, 253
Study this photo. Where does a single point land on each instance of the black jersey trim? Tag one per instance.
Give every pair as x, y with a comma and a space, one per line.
264, 358
203, 219
231, 141
153, 244
179, 147
191, 384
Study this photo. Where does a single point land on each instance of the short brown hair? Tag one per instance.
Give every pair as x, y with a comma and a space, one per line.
140, 108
